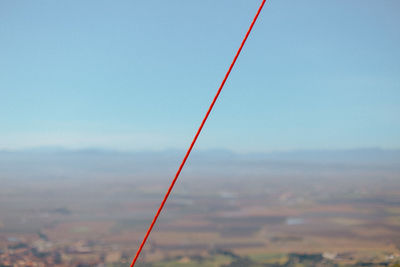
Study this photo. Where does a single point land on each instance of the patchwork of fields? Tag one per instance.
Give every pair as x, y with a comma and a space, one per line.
279, 215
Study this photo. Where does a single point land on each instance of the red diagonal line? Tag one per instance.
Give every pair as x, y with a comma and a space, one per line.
196, 136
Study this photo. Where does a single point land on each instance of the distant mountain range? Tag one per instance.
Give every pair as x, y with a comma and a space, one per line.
50, 162
364, 155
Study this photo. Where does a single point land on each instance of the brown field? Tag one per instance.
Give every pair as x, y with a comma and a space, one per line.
351, 211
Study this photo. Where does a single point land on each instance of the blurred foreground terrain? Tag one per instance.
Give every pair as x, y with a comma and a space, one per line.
92, 208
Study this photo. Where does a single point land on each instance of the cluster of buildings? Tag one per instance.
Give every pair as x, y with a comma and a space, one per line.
43, 253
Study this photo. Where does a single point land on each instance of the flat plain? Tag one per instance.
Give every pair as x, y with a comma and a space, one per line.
91, 208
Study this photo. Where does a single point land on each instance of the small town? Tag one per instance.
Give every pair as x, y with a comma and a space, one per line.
41, 253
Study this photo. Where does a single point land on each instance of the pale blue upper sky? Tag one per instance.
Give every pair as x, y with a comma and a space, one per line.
137, 75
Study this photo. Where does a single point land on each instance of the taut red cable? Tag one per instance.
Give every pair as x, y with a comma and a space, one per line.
196, 136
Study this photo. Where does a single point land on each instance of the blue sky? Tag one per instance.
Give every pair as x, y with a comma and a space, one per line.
135, 75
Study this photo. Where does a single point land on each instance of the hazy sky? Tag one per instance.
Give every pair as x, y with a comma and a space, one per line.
141, 74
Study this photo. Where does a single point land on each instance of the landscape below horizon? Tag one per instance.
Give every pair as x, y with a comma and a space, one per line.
91, 207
